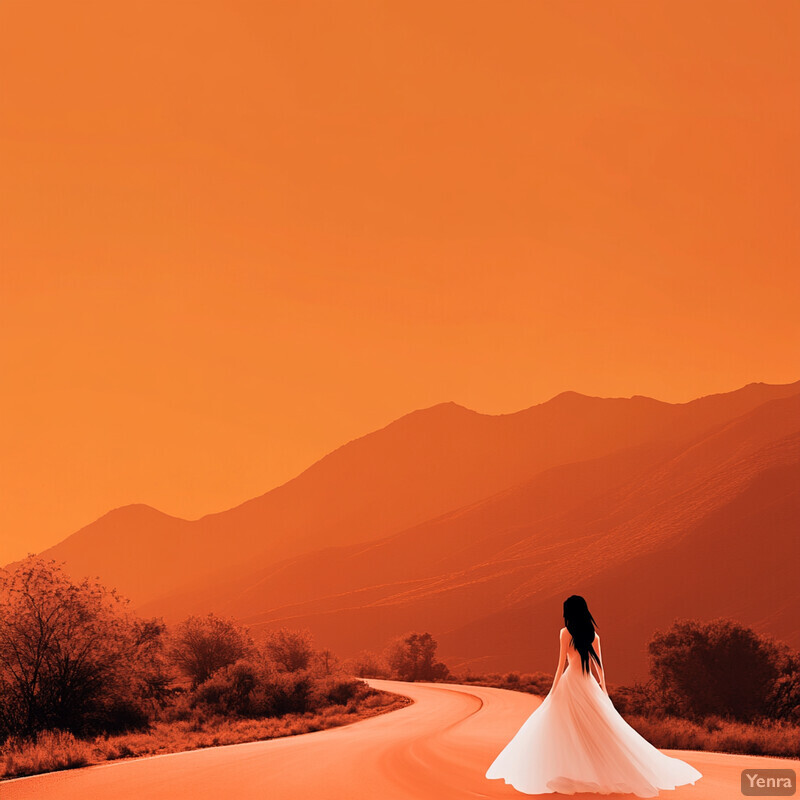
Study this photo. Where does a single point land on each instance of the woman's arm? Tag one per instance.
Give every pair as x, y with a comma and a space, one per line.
562, 657
599, 668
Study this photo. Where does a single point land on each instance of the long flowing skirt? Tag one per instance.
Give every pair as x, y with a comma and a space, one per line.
576, 741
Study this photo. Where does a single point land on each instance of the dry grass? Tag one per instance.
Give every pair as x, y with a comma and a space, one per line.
537, 683
55, 750
777, 738
52, 750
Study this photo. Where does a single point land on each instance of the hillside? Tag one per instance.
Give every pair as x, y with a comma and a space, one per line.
418, 467
647, 533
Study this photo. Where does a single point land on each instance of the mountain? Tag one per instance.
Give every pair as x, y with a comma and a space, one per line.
421, 465
648, 533
474, 526
710, 533
404, 559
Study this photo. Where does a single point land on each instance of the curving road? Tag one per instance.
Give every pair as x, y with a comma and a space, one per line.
437, 748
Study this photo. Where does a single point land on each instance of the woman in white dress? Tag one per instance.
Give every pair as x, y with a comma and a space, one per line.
576, 741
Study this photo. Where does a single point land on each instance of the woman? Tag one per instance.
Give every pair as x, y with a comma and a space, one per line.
576, 741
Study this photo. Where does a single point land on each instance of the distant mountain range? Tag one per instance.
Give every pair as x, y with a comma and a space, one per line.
475, 527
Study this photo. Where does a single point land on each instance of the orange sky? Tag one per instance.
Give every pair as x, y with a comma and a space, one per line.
235, 235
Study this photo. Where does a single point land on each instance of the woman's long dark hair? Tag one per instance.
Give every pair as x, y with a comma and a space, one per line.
580, 623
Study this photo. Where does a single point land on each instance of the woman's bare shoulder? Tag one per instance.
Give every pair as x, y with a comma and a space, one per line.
562, 633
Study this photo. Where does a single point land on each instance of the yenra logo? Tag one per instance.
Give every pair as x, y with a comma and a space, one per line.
769, 782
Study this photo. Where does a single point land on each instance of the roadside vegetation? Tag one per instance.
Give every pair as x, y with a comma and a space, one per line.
716, 686
83, 680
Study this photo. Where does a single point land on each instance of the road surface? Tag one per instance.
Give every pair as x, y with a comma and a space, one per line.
437, 748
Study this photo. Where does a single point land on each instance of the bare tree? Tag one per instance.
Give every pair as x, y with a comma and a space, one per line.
71, 655
327, 661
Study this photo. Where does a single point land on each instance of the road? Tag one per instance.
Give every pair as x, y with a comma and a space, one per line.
437, 748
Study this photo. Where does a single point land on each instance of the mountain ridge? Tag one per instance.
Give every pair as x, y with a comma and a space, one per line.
434, 476
422, 577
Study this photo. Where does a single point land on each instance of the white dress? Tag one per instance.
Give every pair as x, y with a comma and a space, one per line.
576, 741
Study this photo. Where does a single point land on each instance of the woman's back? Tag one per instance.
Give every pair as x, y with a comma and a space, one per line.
573, 656
572, 653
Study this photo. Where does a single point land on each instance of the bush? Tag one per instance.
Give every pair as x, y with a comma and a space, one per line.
718, 667
639, 699
253, 689
285, 693
290, 650
784, 699
412, 657
338, 691
326, 662
229, 690
368, 665
202, 645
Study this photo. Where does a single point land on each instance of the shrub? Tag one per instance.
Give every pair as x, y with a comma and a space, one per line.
412, 657
537, 682
326, 662
260, 687
368, 665
284, 693
784, 699
337, 691
718, 667
639, 699
230, 689
290, 650
202, 645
